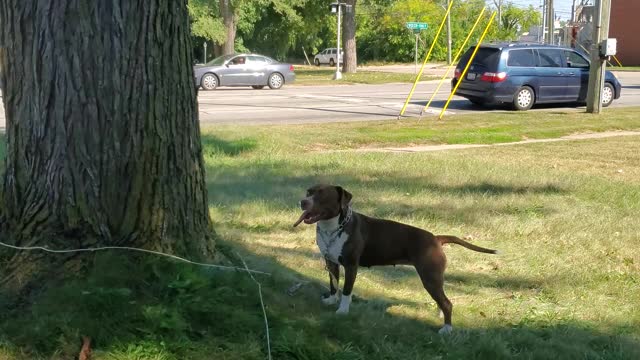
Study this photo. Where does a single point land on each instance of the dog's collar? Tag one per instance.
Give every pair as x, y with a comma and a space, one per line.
346, 219
334, 234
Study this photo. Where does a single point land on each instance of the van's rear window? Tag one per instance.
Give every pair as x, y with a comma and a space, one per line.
487, 57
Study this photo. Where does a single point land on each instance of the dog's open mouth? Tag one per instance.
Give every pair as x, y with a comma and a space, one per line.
307, 217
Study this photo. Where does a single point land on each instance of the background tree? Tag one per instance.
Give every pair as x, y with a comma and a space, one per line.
350, 61
206, 26
103, 139
516, 20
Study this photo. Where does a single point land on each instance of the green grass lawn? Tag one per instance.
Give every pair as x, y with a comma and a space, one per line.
623, 68
564, 216
310, 75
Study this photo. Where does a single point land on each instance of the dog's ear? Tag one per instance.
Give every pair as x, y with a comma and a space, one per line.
344, 197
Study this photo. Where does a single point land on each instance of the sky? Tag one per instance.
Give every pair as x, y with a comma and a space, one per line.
563, 7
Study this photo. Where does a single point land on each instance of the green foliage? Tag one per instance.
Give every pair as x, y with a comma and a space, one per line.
205, 20
281, 28
516, 20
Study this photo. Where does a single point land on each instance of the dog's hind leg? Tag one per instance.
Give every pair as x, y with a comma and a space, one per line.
432, 277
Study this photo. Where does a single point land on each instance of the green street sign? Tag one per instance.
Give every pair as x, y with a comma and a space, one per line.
417, 25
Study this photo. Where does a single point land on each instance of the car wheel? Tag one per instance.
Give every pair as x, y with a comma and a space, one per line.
257, 87
607, 94
276, 80
331, 62
317, 62
524, 98
209, 82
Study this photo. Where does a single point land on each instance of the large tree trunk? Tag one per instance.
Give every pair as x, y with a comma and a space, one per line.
349, 39
229, 20
103, 139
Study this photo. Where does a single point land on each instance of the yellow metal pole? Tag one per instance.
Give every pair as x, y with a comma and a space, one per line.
466, 68
455, 60
618, 61
415, 83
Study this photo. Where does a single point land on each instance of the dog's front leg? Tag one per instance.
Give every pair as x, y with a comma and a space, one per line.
334, 279
350, 272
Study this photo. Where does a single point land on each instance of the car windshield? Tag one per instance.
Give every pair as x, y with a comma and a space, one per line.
219, 60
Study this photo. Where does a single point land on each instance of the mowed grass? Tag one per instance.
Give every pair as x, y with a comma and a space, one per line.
564, 216
623, 68
309, 75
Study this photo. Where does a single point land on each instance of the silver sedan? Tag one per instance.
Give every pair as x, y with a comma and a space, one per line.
252, 70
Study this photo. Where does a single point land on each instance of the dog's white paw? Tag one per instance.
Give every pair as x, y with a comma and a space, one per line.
446, 329
345, 302
330, 300
342, 311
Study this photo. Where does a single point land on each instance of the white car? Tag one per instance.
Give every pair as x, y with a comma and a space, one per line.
328, 56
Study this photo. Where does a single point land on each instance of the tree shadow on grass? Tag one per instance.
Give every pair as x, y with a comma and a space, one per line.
280, 185
154, 308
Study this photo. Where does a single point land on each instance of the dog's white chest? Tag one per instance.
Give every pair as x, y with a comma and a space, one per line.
330, 241
331, 246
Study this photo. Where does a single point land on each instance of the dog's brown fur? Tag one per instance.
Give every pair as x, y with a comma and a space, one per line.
374, 242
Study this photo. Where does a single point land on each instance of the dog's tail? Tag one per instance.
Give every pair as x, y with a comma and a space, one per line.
444, 239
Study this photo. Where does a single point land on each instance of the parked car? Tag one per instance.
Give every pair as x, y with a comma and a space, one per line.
328, 56
527, 74
252, 70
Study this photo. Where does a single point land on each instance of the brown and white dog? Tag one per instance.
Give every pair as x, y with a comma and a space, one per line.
350, 239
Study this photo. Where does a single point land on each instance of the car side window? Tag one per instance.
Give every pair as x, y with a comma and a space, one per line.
523, 58
256, 60
240, 60
575, 60
550, 58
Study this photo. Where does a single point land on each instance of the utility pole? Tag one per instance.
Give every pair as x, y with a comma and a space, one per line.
544, 21
550, 22
448, 34
573, 12
598, 60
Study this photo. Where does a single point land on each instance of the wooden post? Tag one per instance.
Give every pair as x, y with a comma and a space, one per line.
598, 63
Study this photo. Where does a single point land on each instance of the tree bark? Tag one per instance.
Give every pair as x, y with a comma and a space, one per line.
350, 61
227, 12
103, 138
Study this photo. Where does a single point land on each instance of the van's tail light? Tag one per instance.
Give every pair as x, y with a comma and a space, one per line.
457, 74
494, 77
290, 67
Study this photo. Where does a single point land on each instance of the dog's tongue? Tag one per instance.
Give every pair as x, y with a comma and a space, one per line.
302, 217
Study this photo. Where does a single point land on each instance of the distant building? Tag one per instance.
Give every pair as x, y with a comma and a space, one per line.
625, 27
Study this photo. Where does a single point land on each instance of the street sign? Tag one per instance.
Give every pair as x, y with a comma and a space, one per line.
417, 25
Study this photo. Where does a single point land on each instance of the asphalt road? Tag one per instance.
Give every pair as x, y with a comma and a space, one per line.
313, 104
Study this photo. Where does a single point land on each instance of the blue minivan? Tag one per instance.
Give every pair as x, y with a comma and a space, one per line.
526, 74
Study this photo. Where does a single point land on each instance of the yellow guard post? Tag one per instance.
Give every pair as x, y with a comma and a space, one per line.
415, 83
455, 61
466, 68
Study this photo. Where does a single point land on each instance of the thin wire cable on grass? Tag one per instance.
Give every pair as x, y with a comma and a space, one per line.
264, 312
246, 268
223, 267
